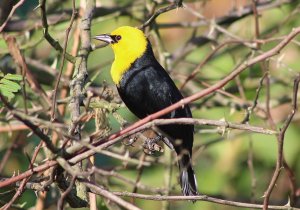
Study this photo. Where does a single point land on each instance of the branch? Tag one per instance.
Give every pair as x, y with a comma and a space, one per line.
54, 43
199, 198
13, 9
224, 124
80, 74
274, 51
60, 203
103, 143
112, 139
100, 191
175, 5
53, 108
35, 129
281, 135
23, 184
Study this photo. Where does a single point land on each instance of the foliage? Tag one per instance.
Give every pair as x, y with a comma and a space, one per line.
9, 85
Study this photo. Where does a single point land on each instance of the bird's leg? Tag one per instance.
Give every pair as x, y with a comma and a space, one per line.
130, 141
150, 145
164, 137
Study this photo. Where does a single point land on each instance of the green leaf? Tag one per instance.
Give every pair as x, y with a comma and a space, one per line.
15, 77
8, 88
13, 86
6, 92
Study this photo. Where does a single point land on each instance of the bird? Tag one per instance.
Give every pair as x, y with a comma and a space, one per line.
145, 87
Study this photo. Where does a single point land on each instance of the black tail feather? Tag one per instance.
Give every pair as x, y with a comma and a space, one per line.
187, 177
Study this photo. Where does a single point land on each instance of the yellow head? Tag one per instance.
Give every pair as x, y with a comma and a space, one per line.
128, 44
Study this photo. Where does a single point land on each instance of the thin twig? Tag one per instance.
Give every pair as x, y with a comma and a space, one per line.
60, 203
33, 127
22, 186
281, 135
255, 101
14, 145
107, 194
54, 43
13, 9
175, 5
199, 198
53, 108
127, 180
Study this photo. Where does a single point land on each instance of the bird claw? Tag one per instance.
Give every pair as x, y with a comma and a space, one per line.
150, 145
129, 141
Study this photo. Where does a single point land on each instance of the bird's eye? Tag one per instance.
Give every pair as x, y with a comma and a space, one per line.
118, 37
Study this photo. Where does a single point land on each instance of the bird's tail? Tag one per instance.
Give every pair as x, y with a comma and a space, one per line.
187, 176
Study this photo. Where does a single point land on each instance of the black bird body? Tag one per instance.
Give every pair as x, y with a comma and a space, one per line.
146, 88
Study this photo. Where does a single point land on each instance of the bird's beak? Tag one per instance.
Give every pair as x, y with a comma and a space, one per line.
105, 38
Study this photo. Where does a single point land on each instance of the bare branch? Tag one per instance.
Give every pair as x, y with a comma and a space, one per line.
100, 191
199, 198
281, 135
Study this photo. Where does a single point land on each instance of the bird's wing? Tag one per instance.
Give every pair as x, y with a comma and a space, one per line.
150, 89
161, 90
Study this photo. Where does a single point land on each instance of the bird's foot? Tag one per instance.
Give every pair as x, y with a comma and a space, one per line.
150, 145
129, 141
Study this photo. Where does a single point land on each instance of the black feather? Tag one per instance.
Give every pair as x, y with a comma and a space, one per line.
147, 88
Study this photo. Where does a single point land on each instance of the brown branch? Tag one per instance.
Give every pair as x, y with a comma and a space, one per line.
53, 108
103, 143
54, 43
199, 198
70, 67
281, 135
20, 60
255, 101
80, 74
107, 194
292, 182
122, 178
274, 51
60, 203
140, 170
256, 18
116, 156
35, 129
14, 145
77, 196
114, 138
13, 9
20, 189
219, 123
28, 173
175, 5
206, 59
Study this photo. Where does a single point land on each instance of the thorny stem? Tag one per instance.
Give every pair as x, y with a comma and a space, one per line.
280, 137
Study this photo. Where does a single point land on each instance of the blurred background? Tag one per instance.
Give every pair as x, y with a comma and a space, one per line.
208, 37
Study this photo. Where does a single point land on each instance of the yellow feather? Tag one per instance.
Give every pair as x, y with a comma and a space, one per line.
132, 45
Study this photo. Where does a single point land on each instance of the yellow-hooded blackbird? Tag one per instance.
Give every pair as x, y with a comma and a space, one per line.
145, 87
